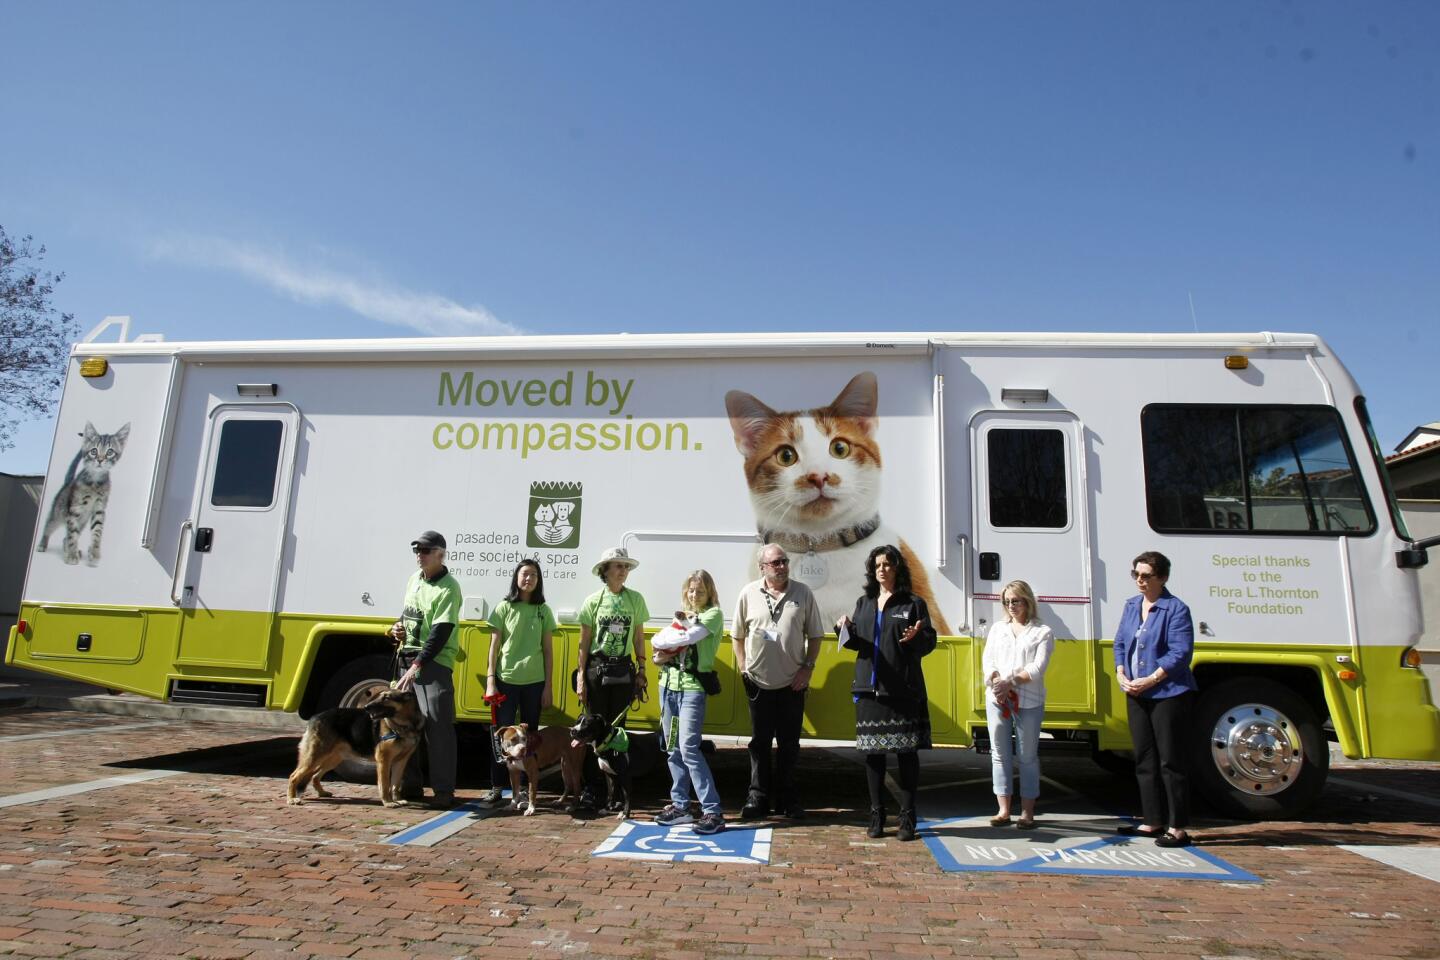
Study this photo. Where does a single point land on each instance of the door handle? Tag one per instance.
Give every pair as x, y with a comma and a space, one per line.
989, 566
963, 542
179, 555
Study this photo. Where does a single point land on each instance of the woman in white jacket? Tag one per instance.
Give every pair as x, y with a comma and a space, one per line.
1017, 651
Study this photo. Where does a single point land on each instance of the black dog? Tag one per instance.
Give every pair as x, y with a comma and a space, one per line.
612, 748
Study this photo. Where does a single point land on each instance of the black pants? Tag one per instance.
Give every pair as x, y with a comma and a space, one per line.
612, 703
909, 778
522, 700
1158, 728
774, 715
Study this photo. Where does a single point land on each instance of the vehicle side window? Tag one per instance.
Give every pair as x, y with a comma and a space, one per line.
1249, 469
246, 462
1027, 478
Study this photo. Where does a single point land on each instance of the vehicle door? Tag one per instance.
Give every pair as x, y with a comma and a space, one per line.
231, 548
1032, 524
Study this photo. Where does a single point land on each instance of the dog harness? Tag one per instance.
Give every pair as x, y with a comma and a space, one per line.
617, 742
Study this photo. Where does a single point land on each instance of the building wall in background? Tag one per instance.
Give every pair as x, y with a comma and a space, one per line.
19, 504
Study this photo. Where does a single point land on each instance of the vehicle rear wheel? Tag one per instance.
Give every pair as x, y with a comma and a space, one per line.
354, 684
1258, 750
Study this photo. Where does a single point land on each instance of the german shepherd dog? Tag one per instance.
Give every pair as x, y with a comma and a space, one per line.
527, 752
387, 730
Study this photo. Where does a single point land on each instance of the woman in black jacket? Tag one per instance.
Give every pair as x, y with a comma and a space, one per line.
890, 631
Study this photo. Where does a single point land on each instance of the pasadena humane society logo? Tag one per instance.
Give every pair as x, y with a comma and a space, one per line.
554, 515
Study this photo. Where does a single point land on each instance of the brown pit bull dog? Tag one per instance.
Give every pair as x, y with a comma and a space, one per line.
527, 752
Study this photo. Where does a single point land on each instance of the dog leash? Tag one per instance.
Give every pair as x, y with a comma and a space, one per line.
494, 700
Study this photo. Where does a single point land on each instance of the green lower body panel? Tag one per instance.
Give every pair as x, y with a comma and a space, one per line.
1386, 711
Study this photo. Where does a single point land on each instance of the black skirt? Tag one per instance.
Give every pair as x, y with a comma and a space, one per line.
891, 725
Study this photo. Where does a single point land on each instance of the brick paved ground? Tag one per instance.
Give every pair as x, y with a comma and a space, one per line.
210, 863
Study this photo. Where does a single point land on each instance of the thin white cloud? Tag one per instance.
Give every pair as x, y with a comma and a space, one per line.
427, 313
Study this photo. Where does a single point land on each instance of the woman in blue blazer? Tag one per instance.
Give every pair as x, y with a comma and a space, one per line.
1153, 645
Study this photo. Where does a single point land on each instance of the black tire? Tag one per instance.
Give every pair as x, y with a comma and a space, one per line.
351, 685
1258, 751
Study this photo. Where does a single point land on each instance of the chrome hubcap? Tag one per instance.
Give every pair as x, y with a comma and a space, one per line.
1257, 748
363, 692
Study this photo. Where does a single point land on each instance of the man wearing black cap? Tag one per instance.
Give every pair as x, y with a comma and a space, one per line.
428, 644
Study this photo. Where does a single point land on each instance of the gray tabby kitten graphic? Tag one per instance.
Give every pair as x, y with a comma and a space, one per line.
82, 498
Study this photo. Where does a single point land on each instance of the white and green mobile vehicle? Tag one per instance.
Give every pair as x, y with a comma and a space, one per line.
255, 502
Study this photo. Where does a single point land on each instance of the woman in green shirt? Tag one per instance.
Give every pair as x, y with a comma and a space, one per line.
682, 708
522, 625
612, 655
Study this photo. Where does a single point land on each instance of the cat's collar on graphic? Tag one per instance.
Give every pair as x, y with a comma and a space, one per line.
804, 543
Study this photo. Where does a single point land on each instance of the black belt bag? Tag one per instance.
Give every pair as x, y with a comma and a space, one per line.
610, 671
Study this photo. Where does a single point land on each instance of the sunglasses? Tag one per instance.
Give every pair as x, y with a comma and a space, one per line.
423, 550
782, 562
1014, 602
1142, 577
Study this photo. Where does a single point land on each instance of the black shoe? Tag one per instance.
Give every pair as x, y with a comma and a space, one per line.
792, 811
906, 828
876, 829
754, 810
442, 801
1135, 830
581, 810
1173, 839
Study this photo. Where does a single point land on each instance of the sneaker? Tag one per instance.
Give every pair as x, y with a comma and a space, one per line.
673, 816
710, 823
493, 795
876, 830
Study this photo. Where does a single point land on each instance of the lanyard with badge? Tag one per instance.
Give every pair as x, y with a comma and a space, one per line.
776, 608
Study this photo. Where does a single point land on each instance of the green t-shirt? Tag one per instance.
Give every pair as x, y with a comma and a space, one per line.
428, 603
700, 656
522, 625
612, 617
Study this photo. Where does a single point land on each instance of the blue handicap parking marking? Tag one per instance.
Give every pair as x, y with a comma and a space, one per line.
651, 841
1076, 844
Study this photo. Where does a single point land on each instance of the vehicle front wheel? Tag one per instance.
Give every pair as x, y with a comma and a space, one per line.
1257, 750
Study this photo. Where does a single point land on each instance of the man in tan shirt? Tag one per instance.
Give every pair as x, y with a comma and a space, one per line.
777, 632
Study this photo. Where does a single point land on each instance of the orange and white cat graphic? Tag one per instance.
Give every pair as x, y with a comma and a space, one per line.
814, 478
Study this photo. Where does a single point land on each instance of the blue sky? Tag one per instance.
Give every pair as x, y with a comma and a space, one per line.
256, 170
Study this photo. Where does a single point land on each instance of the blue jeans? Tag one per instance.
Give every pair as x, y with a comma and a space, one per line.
682, 714
1013, 744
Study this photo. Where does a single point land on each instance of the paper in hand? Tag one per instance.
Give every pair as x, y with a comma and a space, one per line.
842, 637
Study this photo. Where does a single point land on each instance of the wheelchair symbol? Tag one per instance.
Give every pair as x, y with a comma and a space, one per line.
678, 840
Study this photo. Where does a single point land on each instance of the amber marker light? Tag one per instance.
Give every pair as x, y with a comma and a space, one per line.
1237, 361
1410, 658
1347, 674
94, 367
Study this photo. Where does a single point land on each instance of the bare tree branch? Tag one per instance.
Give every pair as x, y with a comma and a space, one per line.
35, 338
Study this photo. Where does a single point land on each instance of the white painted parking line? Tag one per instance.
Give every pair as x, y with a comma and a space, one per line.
1421, 861
1386, 791
114, 727
70, 789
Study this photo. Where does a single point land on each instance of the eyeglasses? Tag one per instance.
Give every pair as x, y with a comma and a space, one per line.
1014, 602
1142, 577
782, 562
